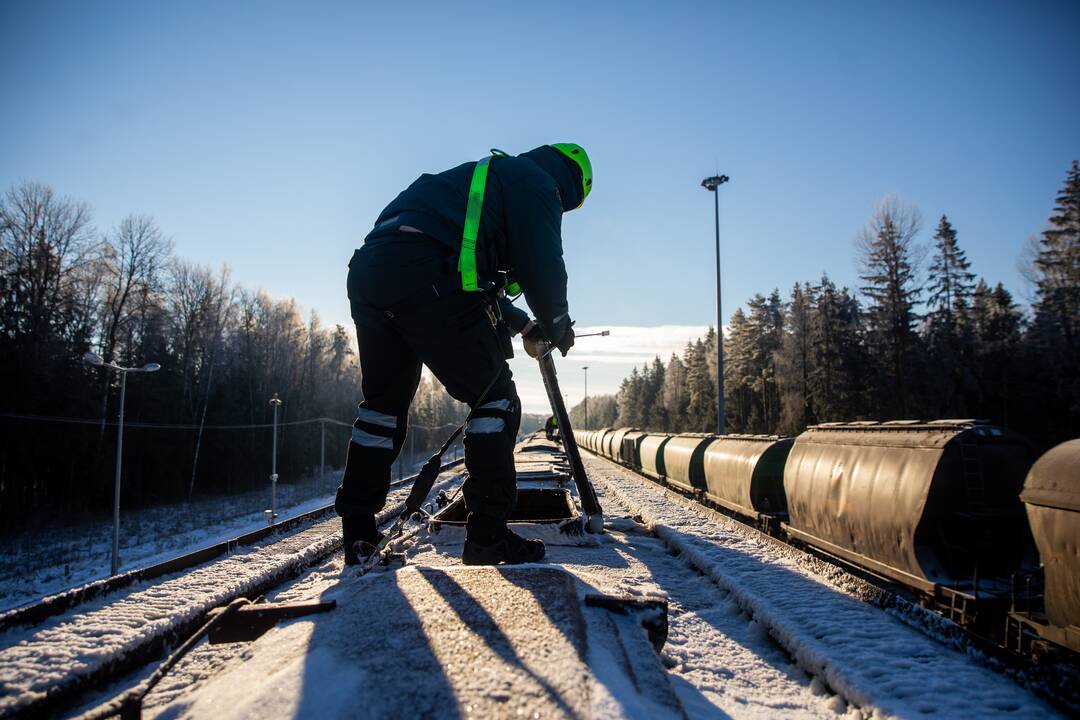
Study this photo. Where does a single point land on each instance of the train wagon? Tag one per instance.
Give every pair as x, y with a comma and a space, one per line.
630, 453
1052, 499
745, 474
651, 454
613, 443
925, 503
684, 461
598, 440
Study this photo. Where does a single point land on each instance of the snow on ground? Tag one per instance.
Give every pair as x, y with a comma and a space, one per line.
755, 632
37, 659
721, 663
867, 656
47, 561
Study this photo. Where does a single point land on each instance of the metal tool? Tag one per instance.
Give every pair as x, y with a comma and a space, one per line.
590, 506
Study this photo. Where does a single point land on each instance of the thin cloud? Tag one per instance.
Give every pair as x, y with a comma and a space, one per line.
610, 359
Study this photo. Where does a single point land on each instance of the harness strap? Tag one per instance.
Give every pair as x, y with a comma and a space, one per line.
471, 230
467, 258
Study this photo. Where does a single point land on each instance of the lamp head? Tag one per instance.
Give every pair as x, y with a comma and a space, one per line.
711, 183
151, 367
92, 358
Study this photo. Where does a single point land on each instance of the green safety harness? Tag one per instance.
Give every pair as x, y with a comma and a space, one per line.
473, 212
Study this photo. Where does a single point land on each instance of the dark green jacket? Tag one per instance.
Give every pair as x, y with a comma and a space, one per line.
520, 229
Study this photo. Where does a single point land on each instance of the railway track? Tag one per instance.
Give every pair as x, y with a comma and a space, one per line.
729, 657
67, 644
1058, 681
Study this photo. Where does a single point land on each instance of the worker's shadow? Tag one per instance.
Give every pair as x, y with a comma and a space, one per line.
370, 657
484, 625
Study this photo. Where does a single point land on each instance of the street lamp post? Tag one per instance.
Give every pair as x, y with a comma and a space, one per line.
271, 514
96, 360
711, 184
586, 369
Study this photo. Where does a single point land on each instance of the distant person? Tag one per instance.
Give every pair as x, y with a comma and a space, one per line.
424, 289
551, 427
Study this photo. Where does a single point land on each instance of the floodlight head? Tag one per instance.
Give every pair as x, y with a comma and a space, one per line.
151, 367
92, 358
275, 400
711, 183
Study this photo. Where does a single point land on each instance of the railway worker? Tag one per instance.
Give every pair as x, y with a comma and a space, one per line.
551, 427
424, 289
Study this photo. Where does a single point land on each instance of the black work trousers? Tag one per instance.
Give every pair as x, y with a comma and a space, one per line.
451, 334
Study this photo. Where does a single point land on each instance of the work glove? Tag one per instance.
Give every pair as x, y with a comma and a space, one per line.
567, 340
532, 337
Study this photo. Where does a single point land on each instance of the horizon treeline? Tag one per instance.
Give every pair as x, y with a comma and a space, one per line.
224, 351
907, 344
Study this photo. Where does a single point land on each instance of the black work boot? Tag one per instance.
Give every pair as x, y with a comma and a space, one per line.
359, 537
490, 542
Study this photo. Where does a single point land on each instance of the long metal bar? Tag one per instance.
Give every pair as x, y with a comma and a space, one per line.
589, 503
64, 601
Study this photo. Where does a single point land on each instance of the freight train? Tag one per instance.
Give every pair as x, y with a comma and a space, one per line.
953, 512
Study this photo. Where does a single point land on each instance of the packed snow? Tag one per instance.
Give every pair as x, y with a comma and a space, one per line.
720, 663
46, 561
67, 649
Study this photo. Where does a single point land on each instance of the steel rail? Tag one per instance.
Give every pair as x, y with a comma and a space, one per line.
63, 695
908, 604
59, 603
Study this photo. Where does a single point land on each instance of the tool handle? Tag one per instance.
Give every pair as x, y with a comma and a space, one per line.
589, 502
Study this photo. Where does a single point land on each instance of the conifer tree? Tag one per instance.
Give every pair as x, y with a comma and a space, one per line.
767, 321
738, 372
1055, 331
837, 386
674, 396
701, 387
951, 281
655, 412
889, 260
948, 337
996, 329
795, 362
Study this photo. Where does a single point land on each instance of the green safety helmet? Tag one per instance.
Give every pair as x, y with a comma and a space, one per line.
578, 155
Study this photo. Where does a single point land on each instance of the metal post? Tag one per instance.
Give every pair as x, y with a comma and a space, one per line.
116, 485
586, 369
712, 184
322, 450
272, 515
92, 358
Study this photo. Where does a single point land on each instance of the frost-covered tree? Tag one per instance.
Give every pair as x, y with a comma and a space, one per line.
673, 394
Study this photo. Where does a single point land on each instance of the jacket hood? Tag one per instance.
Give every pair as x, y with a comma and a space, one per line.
565, 171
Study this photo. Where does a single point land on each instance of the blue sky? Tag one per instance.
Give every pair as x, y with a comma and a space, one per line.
268, 136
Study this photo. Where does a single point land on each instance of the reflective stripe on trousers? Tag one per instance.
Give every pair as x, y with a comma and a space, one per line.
489, 425
373, 419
